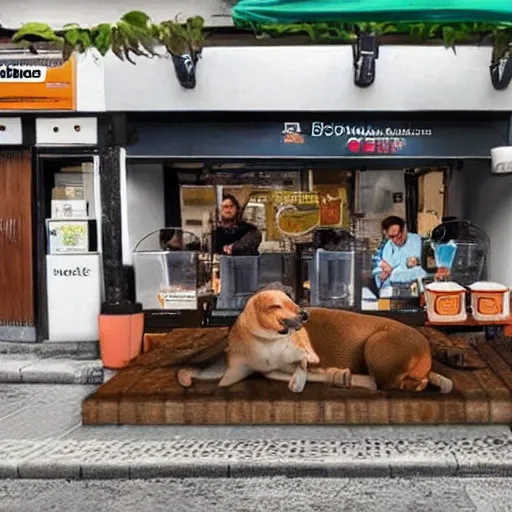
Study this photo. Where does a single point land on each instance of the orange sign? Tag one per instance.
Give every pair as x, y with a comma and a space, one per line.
41, 82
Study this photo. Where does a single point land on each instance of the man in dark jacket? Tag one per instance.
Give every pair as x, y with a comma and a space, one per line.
234, 236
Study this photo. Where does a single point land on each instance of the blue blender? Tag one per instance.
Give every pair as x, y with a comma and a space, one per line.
444, 254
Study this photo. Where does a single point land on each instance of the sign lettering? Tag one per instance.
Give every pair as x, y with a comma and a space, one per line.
321, 129
72, 272
37, 83
17, 73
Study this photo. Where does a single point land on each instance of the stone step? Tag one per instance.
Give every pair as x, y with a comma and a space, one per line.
84, 350
137, 456
26, 368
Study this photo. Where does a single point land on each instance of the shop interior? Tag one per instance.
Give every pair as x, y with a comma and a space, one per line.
320, 237
67, 248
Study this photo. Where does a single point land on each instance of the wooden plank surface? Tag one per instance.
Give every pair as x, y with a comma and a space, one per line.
147, 393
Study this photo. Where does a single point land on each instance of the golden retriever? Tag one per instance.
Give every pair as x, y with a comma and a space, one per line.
275, 337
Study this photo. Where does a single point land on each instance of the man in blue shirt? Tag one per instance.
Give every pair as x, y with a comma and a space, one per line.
400, 258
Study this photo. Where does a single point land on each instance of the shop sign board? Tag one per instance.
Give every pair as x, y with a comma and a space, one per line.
40, 82
321, 139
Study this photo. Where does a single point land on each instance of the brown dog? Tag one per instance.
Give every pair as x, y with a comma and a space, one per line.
345, 349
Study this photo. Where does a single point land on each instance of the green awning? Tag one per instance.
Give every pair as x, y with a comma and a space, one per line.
433, 11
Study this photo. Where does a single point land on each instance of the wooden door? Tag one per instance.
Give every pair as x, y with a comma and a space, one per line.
16, 257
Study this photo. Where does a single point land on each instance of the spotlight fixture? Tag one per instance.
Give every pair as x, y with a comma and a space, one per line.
501, 69
185, 67
365, 51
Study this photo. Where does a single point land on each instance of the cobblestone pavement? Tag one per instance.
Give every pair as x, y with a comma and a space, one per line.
259, 494
41, 437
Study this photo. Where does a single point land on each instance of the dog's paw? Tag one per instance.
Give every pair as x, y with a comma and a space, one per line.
444, 384
184, 377
298, 382
340, 378
312, 358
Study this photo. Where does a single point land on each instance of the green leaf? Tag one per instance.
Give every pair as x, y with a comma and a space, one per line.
418, 31
433, 30
117, 43
388, 29
138, 19
102, 38
79, 38
38, 30
449, 37
196, 22
85, 39
72, 36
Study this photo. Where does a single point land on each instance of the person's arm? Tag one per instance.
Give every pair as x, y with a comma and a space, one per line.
376, 269
387, 258
377, 265
385, 265
415, 251
248, 244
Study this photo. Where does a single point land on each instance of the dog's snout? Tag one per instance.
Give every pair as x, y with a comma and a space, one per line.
303, 315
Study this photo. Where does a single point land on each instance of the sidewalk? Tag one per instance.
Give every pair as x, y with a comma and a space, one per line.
34, 369
42, 437
278, 494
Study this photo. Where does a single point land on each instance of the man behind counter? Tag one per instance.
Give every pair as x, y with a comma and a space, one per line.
234, 236
400, 258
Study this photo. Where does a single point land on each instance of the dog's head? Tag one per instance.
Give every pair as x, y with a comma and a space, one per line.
274, 313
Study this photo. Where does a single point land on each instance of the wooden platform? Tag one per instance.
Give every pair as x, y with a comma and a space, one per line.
146, 393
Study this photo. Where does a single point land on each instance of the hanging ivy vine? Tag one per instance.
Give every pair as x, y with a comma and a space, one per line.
133, 35
499, 35
136, 35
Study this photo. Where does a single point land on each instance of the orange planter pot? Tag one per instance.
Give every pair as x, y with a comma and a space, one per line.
121, 329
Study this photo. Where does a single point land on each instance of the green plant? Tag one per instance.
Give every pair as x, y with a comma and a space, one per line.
134, 34
450, 33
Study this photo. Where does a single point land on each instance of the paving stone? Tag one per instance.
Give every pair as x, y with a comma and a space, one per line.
12, 452
41, 437
104, 472
46, 411
14, 398
260, 494
293, 458
43, 469
242, 432
63, 371
11, 368
189, 469
73, 350
16, 368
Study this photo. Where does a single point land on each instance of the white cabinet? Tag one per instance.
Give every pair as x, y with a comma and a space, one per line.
11, 133
74, 296
63, 131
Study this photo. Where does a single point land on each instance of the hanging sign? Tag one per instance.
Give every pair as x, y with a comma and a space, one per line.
41, 82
